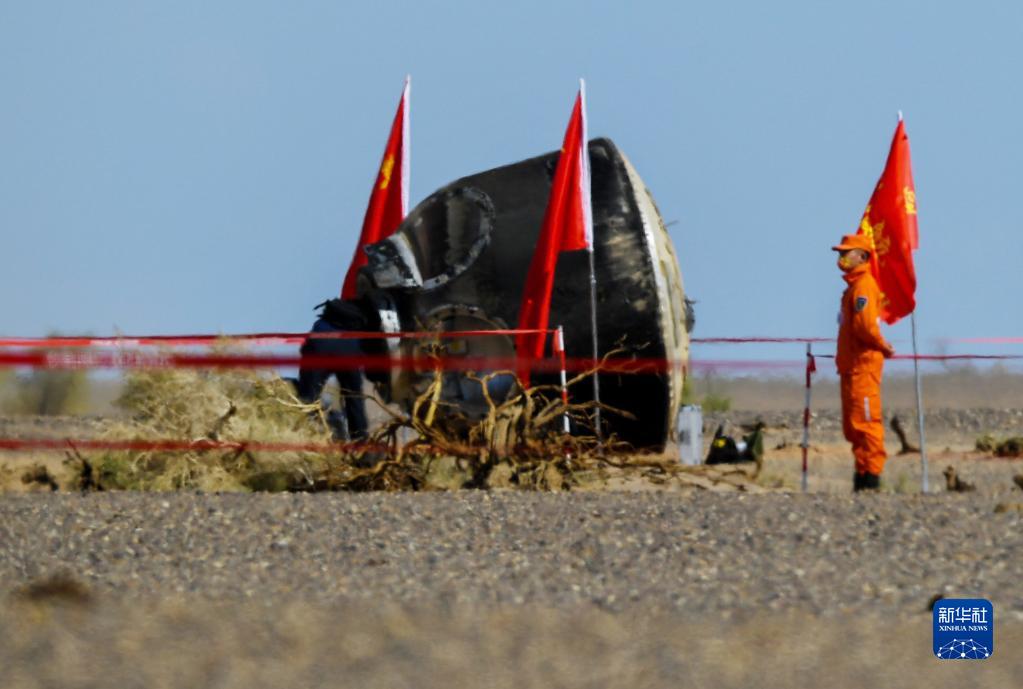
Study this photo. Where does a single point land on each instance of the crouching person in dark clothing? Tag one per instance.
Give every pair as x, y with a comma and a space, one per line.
338, 316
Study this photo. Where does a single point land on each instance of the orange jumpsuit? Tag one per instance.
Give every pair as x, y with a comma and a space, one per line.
860, 359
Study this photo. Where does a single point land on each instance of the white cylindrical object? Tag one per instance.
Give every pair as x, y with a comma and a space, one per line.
690, 434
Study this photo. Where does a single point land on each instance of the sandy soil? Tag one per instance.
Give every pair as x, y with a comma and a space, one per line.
187, 643
500, 589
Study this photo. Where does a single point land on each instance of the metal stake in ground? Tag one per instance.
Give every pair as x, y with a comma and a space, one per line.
925, 484
810, 368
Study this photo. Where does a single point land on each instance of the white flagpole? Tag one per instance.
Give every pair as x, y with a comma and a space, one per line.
406, 144
925, 481
588, 224
596, 352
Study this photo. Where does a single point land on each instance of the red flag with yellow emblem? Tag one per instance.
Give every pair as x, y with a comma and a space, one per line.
388, 203
890, 222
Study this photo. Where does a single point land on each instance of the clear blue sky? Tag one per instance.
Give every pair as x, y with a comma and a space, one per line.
194, 166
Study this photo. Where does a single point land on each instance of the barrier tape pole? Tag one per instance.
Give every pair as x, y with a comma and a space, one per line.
811, 367
559, 348
558, 342
925, 483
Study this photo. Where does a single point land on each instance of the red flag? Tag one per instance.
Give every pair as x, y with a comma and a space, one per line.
890, 222
388, 203
567, 226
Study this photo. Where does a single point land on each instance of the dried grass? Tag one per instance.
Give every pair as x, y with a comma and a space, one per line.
1008, 448
235, 406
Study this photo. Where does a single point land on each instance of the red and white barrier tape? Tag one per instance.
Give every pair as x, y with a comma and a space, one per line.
280, 338
78, 360
982, 340
251, 338
170, 445
747, 340
944, 357
205, 445
285, 338
81, 360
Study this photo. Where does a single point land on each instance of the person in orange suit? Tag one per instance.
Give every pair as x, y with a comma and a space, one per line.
860, 360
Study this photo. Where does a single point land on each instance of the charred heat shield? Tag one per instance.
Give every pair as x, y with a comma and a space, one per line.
459, 262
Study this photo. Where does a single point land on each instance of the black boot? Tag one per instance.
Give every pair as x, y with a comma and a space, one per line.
870, 482
857, 482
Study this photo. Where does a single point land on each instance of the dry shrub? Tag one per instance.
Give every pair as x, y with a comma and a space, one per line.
37, 474
518, 442
1010, 447
235, 406
986, 443
48, 393
42, 392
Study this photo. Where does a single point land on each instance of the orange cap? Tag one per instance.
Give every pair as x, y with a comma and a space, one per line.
855, 241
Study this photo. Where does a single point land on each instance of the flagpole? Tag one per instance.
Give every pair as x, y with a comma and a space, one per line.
406, 145
919, 406
584, 162
596, 354
925, 482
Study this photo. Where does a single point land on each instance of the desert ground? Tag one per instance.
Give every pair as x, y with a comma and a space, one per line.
628, 582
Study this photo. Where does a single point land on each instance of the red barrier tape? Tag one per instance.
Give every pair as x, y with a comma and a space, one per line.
181, 445
983, 340
744, 340
298, 338
144, 360
251, 338
74, 360
204, 445
278, 338
159, 340
945, 357
958, 357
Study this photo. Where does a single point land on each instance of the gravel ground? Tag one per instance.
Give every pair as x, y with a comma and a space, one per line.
500, 589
